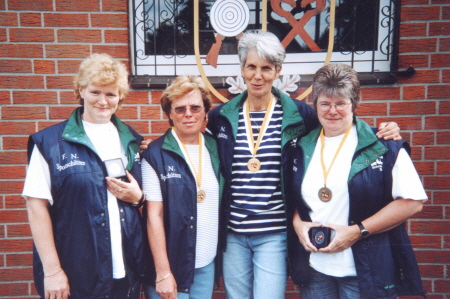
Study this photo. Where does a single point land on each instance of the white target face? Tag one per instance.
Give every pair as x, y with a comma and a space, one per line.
229, 17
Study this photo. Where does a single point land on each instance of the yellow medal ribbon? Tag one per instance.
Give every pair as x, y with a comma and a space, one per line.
254, 147
322, 140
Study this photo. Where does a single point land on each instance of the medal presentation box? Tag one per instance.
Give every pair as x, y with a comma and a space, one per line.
115, 168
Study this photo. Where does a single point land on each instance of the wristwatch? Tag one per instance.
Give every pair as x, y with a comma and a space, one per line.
364, 233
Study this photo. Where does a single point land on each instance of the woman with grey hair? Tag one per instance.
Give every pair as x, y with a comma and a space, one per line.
351, 193
256, 132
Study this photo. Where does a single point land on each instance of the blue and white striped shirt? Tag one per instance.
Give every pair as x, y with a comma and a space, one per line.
257, 206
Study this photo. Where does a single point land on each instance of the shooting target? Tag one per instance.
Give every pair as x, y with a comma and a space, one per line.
229, 17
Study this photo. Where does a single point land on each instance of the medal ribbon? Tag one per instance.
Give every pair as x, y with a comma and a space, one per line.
322, 140
197, 175
254, 147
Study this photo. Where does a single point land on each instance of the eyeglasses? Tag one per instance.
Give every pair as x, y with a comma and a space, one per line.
327, 106
182, 109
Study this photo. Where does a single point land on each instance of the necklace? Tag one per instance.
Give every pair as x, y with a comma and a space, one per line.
325, 194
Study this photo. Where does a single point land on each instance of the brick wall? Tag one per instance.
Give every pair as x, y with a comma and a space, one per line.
43, 41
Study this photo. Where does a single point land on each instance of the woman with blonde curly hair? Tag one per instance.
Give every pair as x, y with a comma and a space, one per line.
83, 193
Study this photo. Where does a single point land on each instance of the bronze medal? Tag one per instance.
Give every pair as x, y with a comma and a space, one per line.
254, 165
325, 194
201, 196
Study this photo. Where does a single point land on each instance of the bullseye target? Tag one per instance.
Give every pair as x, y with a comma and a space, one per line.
229, 17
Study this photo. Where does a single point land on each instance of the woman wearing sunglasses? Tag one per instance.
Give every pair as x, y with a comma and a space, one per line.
181, 180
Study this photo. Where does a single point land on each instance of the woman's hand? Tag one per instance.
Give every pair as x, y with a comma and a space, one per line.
389, 130
302, 229
129, 192
345, 236
56, 286
166, 288
145, 143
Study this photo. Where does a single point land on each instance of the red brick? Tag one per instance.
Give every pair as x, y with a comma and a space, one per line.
443, 167
142, 127
366, 109
433, 256
420, 13
445, 76
127, 112
18, 230
445, 12
421, 77
380, 93
15, 201
413, 2
117, 36
418, 45
59, 82
45, 124
440, 60
423, 138
424, 168
66, 20
137, 97
21, 82
2, 34
12, 172
444, 44
32, 35
6, 157
68, 66
12, 216
8, 19
414, 60
21, 51
38, 5
44, 67
443, 137
15, 127
442, 286
5, 97
2, 5
430, 212
79, 36
437, 152
426, 241
17, 143
437, 182
111, 20
437, 122
67, 51
61, 112
413, 29
159, 127
411, 108
434, 227
156, 95
151, 112
413, 92
30, 19
113, 5
68, 97
439, 28
79, 5
416, 152
21, 112
19, 260
15, 66
438, 91
120, 52
35, 97
431, 271
405, 123
14, 289
441, 197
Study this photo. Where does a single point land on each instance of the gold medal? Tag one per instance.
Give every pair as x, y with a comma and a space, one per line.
201, 196
325, 194
253, 165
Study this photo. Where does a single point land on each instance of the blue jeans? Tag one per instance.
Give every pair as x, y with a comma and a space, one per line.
202, 288
329, 287
255, 266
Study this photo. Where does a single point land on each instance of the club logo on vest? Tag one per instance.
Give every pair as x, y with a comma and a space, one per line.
222, 135
74, 162
170, 174
378, 164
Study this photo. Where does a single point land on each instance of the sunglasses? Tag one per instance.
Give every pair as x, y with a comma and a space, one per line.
193, 109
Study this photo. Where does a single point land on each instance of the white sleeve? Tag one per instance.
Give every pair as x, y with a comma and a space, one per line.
406, 181
150, 182
37, 180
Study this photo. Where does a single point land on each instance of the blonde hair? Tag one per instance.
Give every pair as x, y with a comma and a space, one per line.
101, 69
182, 86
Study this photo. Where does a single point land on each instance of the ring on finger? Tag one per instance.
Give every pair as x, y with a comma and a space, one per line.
120, 190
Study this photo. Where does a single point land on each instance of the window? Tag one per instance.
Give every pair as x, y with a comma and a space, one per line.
163, 37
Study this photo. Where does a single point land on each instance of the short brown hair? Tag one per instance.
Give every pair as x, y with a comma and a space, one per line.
182, 86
